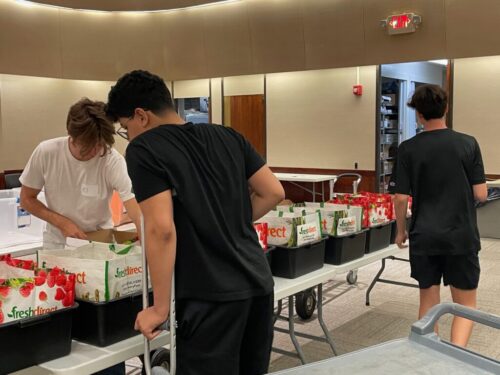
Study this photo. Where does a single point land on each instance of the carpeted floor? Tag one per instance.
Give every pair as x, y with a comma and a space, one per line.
392, 311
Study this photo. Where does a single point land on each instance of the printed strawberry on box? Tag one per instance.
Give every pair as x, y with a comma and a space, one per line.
26, 291
261, 229
378, 208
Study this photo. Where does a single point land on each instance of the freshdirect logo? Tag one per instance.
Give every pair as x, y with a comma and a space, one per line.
277, 232
22, 314
304, 231
347, 223
129, 271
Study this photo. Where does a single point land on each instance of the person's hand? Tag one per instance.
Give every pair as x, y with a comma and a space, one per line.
401, 239
70, 229
148, 321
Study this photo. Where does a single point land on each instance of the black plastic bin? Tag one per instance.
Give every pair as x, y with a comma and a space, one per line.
292, 262
28, 342
378, 237
269, 255
343, 249
106, 323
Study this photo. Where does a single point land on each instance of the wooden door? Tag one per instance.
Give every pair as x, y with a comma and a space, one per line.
246, 115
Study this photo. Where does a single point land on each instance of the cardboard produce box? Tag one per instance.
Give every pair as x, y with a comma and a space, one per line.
112, 236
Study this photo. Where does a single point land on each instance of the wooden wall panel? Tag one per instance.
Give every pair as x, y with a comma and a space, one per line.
91, 49
427, 43
91, 54
29, 40
126, 5
244, 37
227, 40
333, 33
471, 27
277, 33
183, 45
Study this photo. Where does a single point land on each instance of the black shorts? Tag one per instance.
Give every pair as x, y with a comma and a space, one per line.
218, 338
459, 271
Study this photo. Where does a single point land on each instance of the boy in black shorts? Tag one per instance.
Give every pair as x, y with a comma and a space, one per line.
443, 172
192, 182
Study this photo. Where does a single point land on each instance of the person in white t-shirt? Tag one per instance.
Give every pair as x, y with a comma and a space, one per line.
78, 174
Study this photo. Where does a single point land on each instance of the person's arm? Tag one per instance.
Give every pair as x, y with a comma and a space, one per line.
160, 244
134, 213
402, 191
401, 207
480, 192
30, 203
267, 192
477, 176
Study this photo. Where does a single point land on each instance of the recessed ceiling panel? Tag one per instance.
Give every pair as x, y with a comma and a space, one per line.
126, 5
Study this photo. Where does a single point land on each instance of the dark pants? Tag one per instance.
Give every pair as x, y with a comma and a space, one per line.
224, 338
118, 369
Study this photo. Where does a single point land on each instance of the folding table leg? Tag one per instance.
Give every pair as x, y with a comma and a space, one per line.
375, 279
291, 328
328, 337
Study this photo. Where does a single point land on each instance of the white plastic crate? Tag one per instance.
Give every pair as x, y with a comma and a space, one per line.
17, 226
10, 193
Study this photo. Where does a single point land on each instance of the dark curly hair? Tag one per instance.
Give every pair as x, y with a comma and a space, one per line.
431, 101
138, 89
88, 124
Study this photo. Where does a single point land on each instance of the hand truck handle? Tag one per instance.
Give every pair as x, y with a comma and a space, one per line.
425, 325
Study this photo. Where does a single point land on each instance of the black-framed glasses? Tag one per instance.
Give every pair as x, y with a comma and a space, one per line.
122, 132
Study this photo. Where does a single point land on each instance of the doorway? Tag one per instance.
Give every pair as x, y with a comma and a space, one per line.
396, 122
246, 115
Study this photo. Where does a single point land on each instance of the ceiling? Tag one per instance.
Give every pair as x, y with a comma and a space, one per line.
126, 5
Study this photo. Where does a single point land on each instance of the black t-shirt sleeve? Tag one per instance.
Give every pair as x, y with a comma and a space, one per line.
476, 175
403, 185
148, 178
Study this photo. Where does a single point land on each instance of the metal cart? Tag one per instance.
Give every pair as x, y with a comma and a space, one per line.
306, 301
422, 353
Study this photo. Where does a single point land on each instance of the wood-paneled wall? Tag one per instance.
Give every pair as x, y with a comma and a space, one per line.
236, 38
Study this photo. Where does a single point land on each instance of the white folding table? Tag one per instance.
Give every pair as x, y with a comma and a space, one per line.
288, 288
493, 184
22, 250
85, 359
296, 178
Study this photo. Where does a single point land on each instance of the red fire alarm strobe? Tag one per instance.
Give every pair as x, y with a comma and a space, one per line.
357, 90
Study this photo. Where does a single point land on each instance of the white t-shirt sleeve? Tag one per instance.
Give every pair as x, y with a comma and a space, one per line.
33, 174
118, 177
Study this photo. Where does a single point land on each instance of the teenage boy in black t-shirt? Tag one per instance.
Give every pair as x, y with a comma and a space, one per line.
192, 183
443, 172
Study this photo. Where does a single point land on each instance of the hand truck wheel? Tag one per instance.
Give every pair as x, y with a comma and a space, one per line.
352, 277
305, 303
159, 358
